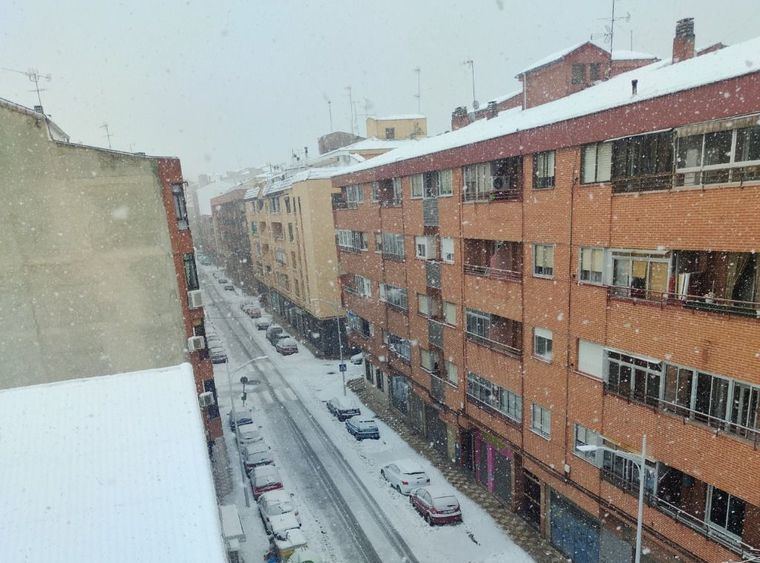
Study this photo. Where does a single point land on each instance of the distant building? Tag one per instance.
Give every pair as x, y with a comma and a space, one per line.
336, 140
412, 126
231, 245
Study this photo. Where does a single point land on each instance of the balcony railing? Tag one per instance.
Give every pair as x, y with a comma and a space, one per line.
435, 333
495, 273
700, 302
486, 406
341, 203
494, 345
500, 195
647, 183
390, 202
392, 256
430, 212
433, 274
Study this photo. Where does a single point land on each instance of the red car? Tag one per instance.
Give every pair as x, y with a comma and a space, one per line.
437, 506
265, 478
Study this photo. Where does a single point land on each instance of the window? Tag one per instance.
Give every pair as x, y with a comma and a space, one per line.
425, 248
393, 246
643, 162
591, 358
543, 260
191, 273
354, 195
290, 232
587, 437
478, 324
390, 132
543, 170
624, 473
279, 256
429, 361
375, 186
541, 420
592, 265
355, 323
595, 71
477, 181
180, 206
293, 258
363, 286
634, 377
287, 204
297, 287
393, 295
578, 74
447, 250
400, 346
398, 191
643, 275
485, 392
369, 372
379, 380
378, 242
597, 163
274, 204
450, 313
423, 304
726, 511
351, 240
417, 186
451, 373
542, 343
254, 228
446, 188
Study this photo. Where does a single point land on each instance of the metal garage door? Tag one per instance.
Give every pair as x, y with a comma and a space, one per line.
574, 533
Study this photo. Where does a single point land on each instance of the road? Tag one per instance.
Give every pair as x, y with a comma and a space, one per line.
353, 526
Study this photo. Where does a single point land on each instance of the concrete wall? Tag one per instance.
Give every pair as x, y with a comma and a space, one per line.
88, 284
404, 128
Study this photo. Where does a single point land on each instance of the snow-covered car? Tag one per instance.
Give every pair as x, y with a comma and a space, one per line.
357, 359
273, 332
256, 454
436, 505
363, 428
286, 346
217, 356
229, 287
263, 323
276, 503
304, 555
405, 476
265, 478
249, 433
222, 280
243, 417
343, 408
251, 309
288, 541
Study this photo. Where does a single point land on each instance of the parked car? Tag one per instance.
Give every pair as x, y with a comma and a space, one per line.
217, 356
436, 505
286, 346
273, 331
253, 312
357, 359
363, 428
343, 408
405, 476
304, 555
276, 503
222, 280
263, 323
229, 287
248, 433
265, 478
287, 542
255, 454
243, 417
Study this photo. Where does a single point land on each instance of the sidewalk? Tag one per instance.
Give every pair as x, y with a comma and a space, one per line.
516, 528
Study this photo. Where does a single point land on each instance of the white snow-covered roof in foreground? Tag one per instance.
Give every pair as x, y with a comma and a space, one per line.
112, 468
654, 80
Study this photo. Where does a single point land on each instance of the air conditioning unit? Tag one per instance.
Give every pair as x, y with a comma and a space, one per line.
206, 399
194, 299
195, 343
499, 183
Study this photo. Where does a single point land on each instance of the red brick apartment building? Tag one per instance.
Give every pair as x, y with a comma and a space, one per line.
580, 272
232, 247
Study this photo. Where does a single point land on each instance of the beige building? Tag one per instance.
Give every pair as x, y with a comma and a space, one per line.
294, 256
413, 126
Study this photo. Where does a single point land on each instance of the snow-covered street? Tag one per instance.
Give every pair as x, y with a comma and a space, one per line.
349, 512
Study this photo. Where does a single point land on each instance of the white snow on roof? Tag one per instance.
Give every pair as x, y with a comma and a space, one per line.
554, 57
309, 174
504, 97
373, 143
622, 55
112, 468
654, 80
398, 116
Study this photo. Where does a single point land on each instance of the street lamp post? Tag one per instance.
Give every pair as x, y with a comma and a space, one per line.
641, 462
340, 339
243, 475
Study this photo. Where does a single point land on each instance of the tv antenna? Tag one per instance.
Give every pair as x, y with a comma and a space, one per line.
471, 63
329, 109
418, 95
34, 76
351, 107
609, 29
108, 134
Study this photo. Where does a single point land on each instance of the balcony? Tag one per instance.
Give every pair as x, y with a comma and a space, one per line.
494, 259
435, 333
705, 302
340, 202
500, 180
433, 274
430, 213
492, 331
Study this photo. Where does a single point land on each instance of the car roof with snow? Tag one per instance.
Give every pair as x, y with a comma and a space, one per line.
257, 447
408, 466
266, 473
440, 491
287, 341
344, 403
282, 522
277, 497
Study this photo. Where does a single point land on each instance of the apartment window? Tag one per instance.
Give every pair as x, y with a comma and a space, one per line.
379, 380
351, 240
357, 324
450, 313
643, 162
293, 258
726, 511
398, 191
375, 189
592, 265
425, 248
400, 346
428, 361
541, 420
446, 186
543, 170
254, 228
378, 242
447, 250
587, 437
191, 272
274, 205
279, 256
719, 156
393, 246
417, 186
631, 376
596, 165
624, 473
180, 206
595, 71
287, 205
543, 260
542, 343
423, 304
393, 295
477, 181
369, 372
578, 73
354, 195
639, 274
290, 232
363, 286
297, 287
390, 132
485, 392
452, 375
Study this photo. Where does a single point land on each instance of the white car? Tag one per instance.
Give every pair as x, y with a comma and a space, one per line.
405, 476
357, 359
274, 504
249, 433
288, 541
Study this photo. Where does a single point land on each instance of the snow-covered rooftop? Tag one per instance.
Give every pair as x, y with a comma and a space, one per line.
398, 116
504, 97
309, 174
554, 57
112, 468
654, 80
622, 55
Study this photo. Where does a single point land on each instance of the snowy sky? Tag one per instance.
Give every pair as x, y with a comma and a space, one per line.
230, 84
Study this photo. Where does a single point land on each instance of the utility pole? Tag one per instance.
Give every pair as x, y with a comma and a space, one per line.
418, 70
475, 104
108, 134
351, 107
329, 109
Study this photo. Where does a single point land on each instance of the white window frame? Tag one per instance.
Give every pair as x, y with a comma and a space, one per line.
452, 373
446, 188
542, 163
587, 260
541, 424
543, 249
447, 250
418, 186
542, 337
584, 436
423, 310
363, 286
599, 157
425, 248
447, 305
477, 183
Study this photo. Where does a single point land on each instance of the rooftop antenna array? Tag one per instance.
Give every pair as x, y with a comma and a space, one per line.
34, 76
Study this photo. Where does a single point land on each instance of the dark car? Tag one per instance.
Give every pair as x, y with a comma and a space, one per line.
273, 333
229, 287
243, 417
437, 506
363, 428
217, 356
222, 280
343, 408
286, 346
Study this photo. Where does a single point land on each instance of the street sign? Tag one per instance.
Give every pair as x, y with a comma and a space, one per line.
244, 380
243, 397
342, 367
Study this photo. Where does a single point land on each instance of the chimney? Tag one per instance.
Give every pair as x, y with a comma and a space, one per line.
459, 118
683, 42
39, 109
491, 110
634, 87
